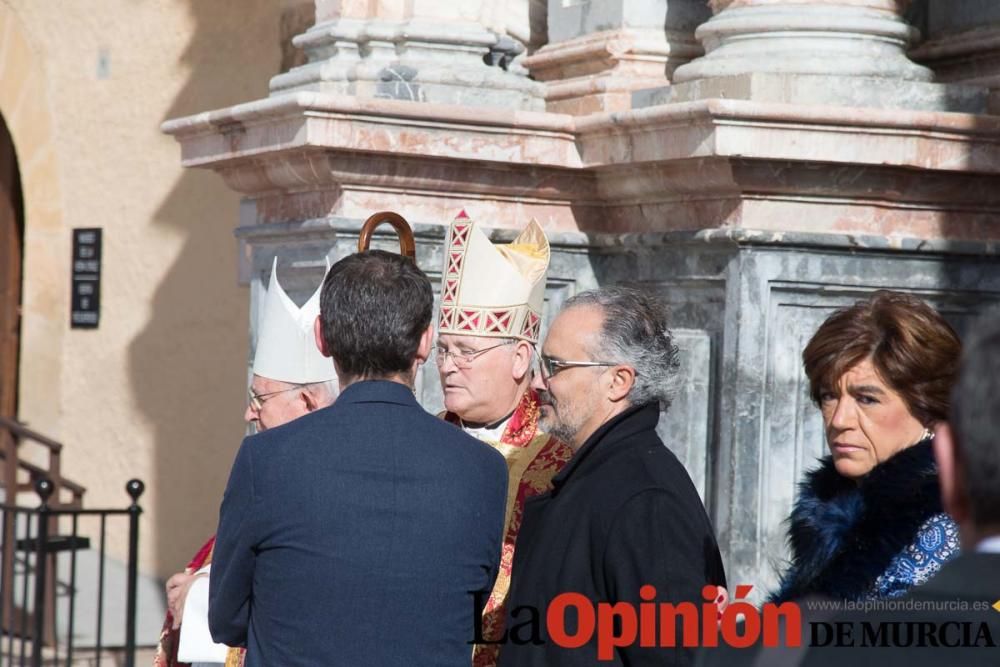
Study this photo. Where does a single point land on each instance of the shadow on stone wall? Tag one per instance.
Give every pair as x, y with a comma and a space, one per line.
968, 268
188, 366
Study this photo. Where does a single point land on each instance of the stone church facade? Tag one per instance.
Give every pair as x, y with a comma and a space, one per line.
756, 162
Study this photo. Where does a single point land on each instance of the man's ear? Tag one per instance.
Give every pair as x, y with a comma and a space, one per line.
523, 354
426, 340
310, 400
953, 496
318, 333
622, 381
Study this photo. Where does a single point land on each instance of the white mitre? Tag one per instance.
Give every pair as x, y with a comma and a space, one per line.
286, 345
494, 290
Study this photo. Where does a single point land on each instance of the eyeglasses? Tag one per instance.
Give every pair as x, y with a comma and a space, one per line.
463, 359
257, 400
550, 366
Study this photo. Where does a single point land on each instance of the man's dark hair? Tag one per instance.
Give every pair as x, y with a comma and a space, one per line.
975, 419
374, 307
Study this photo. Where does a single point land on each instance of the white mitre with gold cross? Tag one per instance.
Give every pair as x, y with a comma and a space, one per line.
494, 290
286, 346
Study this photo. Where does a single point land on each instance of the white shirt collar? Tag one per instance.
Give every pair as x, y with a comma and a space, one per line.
991, 545
484, 433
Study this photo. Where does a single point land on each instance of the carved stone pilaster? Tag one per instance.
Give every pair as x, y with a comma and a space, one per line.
600, 52
421, 58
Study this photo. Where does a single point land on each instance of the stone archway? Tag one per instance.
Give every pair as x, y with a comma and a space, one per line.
45, 244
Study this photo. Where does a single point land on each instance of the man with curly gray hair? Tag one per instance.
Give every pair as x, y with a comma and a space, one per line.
623, 514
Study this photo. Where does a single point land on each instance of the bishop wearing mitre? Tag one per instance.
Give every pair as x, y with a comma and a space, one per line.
492, 298
291, 378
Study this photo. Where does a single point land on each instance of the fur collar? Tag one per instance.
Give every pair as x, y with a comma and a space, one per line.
843, 535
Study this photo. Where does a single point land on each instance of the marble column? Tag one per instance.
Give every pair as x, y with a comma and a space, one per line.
601, 51
455, 52
865, 38
850, 53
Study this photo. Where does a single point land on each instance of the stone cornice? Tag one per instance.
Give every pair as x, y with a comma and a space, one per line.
305, 120
682, 166
433, 234
282, 123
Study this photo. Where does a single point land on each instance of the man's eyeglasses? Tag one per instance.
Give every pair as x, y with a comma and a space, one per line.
461, 358
257, 400
550, 366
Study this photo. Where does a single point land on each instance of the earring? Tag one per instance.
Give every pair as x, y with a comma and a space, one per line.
926, 435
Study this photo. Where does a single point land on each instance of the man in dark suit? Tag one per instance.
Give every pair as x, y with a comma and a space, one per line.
968, 455
623, 524
354, 535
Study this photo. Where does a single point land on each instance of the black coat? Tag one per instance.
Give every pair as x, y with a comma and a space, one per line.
623, 513
352, 536
844, 535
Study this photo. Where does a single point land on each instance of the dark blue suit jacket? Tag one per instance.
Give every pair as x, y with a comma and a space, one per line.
353, 535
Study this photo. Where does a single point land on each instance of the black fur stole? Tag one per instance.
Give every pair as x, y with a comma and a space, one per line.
843, 535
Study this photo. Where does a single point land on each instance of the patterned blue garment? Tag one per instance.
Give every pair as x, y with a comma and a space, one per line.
936, 543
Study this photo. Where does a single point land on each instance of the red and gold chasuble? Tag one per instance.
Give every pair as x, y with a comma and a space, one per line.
166, 648
533, 459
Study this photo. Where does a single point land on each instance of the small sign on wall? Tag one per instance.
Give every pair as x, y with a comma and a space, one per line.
86, 297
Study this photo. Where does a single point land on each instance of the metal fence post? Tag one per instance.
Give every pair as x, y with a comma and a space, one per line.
134, 488
44, 489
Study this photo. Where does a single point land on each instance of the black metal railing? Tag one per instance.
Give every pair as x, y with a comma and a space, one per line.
38, 605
